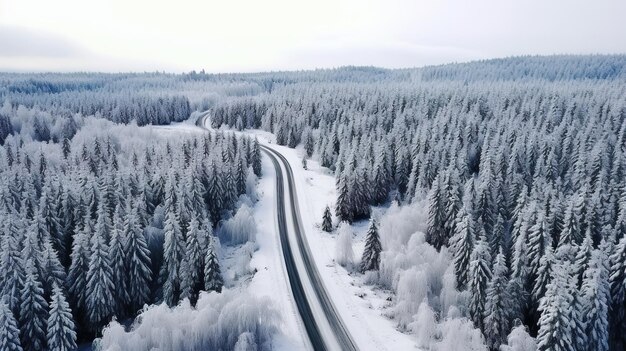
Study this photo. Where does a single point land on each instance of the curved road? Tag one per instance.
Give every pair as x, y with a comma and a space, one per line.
306, 283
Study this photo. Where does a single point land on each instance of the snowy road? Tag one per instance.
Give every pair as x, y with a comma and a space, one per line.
323, 324
325, 329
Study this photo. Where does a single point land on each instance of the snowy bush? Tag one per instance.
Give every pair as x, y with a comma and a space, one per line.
519, 340
344, 254
425, 325
251, 180
459, 334
240, 228
226, 321
400, 222
240, 265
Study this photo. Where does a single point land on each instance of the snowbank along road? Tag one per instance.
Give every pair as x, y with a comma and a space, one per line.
325, 329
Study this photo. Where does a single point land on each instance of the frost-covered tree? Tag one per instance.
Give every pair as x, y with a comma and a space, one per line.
61, 334
9, 333
99, 295
617, 279
117, 257
193, 270
33, 311
137, 261
77, 276
595, 298
555, 328
462, 245
327, 221
479, 276
370, 260
213, 280
11, 264
173, 252
497, 305
436, 233
344, 253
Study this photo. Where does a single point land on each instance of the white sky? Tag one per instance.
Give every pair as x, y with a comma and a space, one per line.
255, 35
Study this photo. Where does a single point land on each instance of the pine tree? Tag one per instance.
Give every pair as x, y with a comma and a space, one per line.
54, 271
173, 252
537, 243
343, 209
327, 221
77, 276
595, 298
555, 329
33, 311
617, 279
212, 275
117, 256
9, 333
436, 232
66, 148
571, 231
100, 302
583, 258
61, 335
256, 158
479, 275
497, 306
370, 261
462, 245
194, 268
11, 264
137, 261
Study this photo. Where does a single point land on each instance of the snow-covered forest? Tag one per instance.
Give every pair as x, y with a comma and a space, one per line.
516, 169
100, 219
494, 191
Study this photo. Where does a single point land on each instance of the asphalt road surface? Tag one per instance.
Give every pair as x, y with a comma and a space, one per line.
341, 334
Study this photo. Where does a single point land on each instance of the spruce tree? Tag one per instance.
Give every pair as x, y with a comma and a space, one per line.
555, 328
54, 271
212, 274
537, 242
571, 231
11, 264
256, 158
117, 256
61, 334
137, 261
370, 261
33, 311
343, 209
462, 245
436, 232
9, 333
595, 299
100, 301
617, 279
194, 268
173, 252
479, 275
497, 305
327, 221
77, 276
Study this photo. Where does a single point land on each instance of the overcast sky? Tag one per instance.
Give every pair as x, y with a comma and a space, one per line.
258, 35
